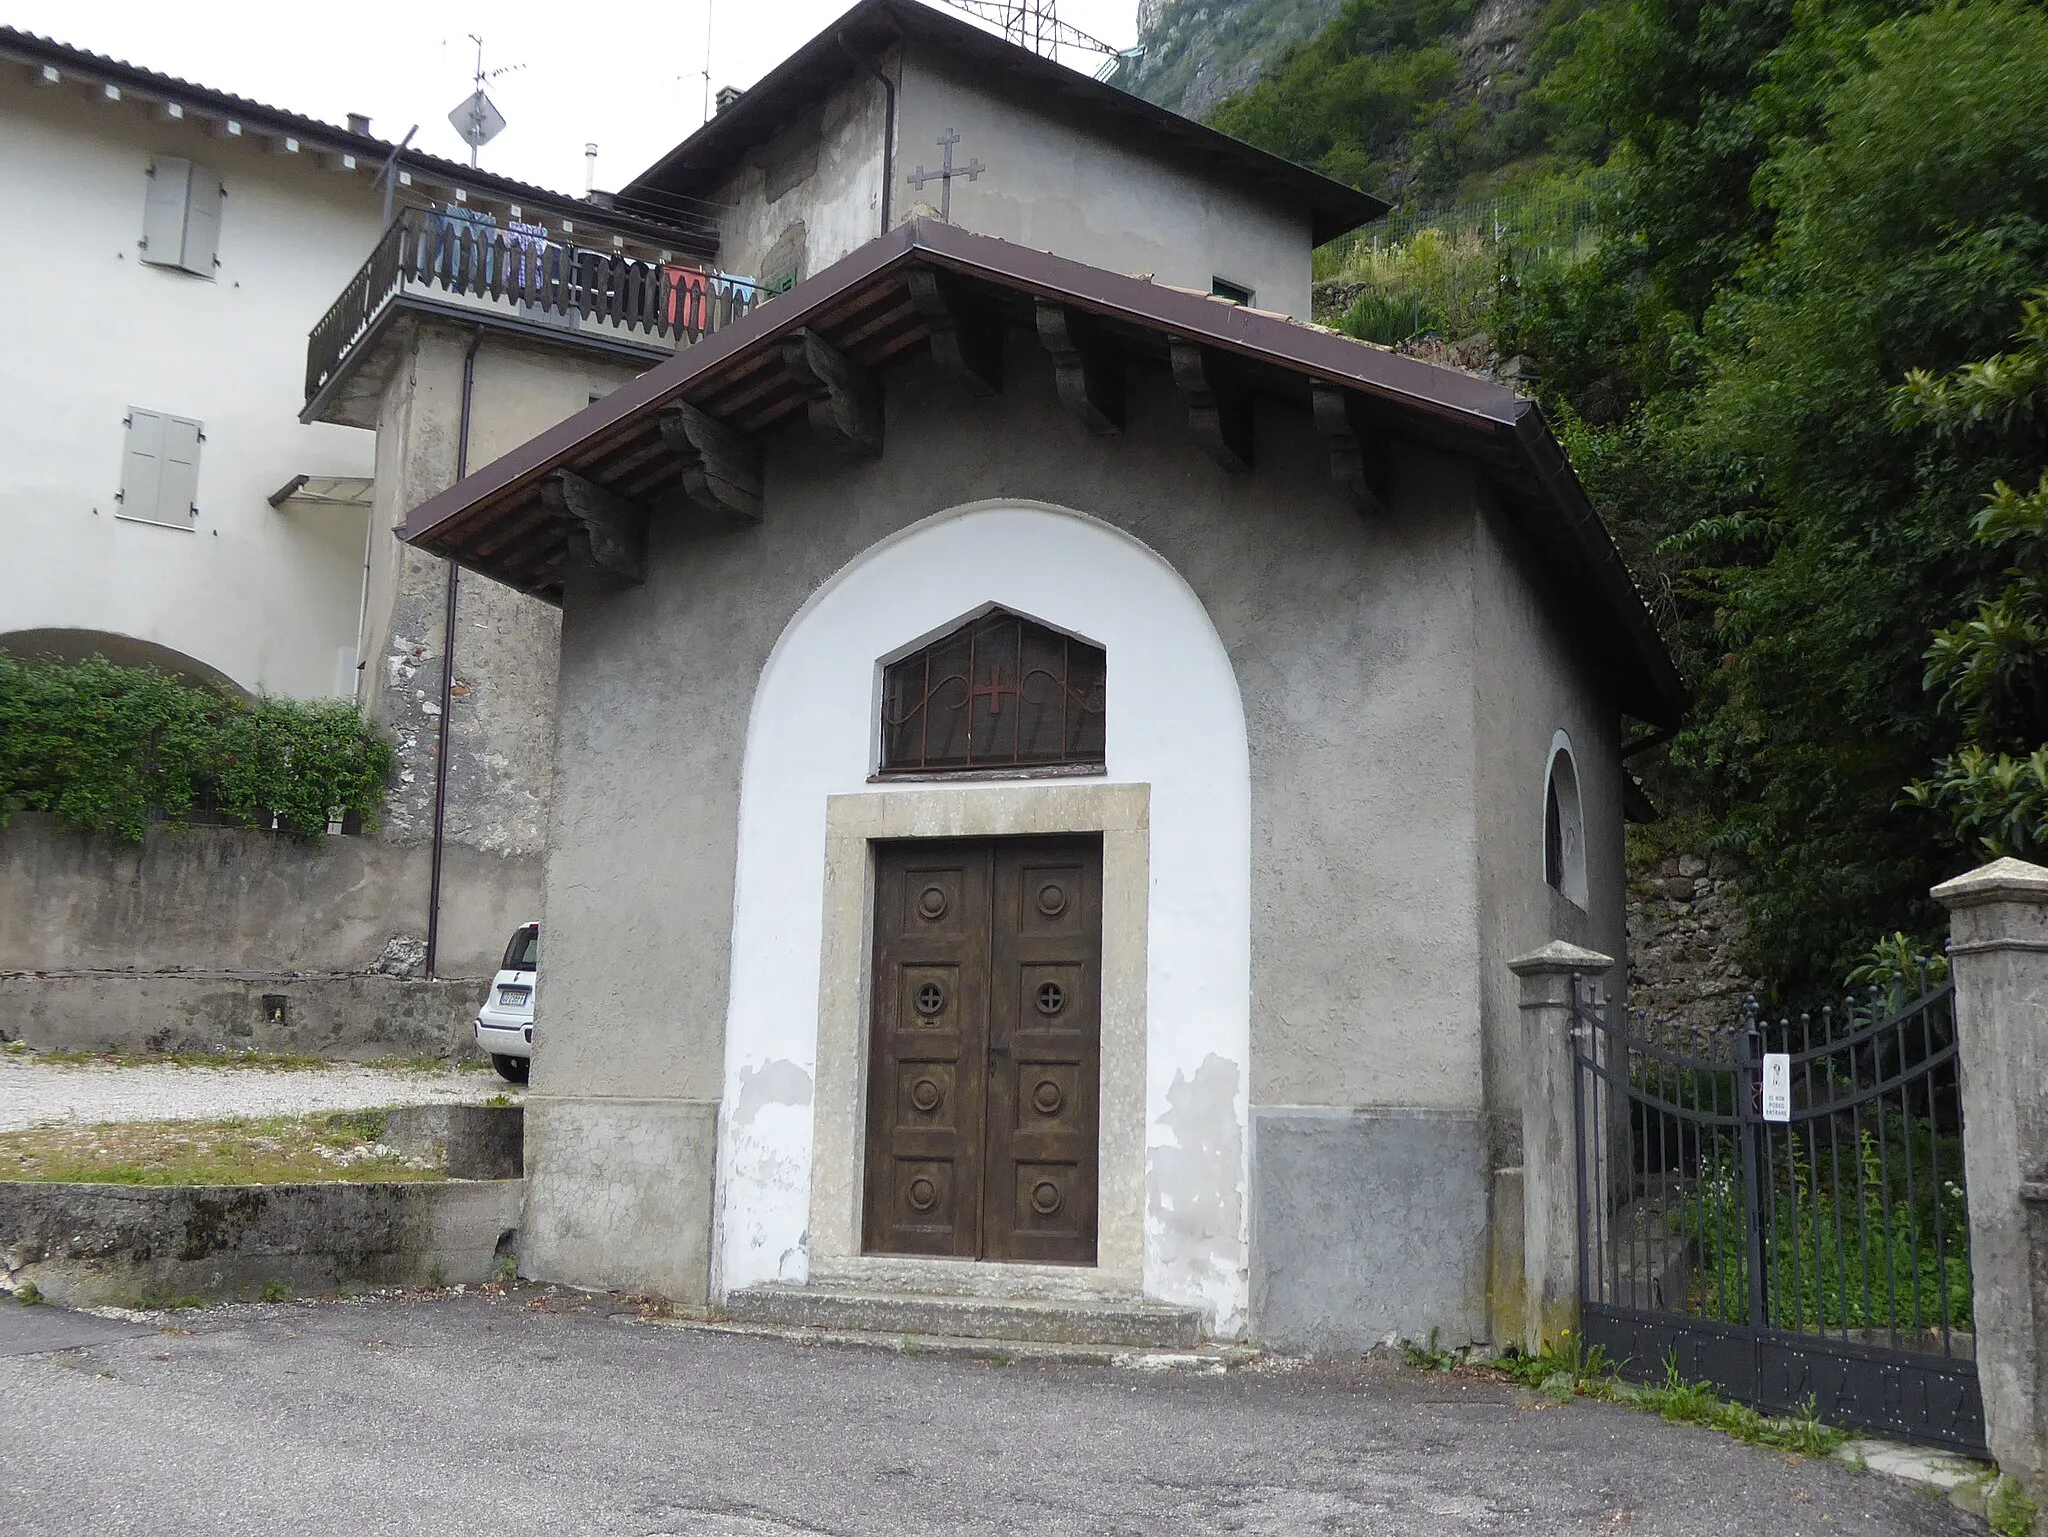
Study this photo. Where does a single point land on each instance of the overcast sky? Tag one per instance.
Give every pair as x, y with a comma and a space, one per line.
630, 79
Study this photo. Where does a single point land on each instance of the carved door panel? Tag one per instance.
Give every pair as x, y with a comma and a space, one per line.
927, 1071
986, 1050
1044, 1054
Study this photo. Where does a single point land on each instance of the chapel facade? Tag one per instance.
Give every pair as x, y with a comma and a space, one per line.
1051, 767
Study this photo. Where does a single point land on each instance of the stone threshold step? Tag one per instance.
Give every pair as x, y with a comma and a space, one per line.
1204, 1360
1124, 1323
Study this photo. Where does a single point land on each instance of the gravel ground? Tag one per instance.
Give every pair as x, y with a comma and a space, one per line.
470, 1414
40, 1093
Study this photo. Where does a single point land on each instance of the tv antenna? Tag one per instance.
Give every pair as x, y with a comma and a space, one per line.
478, 119
1035, 24
707, 60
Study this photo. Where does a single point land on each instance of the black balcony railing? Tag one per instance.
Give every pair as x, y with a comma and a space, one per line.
526, 275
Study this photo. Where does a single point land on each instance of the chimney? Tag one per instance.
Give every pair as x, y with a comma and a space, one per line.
727, 95
589, 169
358, 123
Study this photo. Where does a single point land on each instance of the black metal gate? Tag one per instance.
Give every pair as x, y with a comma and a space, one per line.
1789, 1221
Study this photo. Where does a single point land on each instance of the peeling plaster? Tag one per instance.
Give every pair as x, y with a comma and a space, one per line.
1195, 1193
773, 1083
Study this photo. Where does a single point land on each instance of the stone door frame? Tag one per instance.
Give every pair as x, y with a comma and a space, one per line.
1120, 813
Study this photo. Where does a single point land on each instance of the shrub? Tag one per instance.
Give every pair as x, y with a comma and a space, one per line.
109, 749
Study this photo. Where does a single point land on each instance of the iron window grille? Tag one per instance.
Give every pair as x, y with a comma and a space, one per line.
1001, 692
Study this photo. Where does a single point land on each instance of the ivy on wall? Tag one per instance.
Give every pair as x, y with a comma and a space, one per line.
109, 749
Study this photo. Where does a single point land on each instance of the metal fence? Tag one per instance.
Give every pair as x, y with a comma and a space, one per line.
1790, 1223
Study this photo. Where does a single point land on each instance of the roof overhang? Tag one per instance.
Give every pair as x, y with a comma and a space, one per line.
507, 521
853, 45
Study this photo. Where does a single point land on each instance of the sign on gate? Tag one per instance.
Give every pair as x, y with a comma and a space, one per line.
1778, 1086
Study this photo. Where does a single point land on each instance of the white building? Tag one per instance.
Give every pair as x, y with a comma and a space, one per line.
220, 300
164, 501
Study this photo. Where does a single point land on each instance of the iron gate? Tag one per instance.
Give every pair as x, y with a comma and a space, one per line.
1820, 1256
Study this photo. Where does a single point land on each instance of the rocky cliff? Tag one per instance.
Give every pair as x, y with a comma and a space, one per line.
1199, 51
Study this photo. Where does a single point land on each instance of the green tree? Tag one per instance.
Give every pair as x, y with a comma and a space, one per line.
1991, 670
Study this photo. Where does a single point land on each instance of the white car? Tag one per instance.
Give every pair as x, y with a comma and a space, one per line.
504, 1025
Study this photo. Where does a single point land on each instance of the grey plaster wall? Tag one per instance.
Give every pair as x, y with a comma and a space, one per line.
1047, 184
1365, 1224
814, 191
1053, 186
1353, 643
1529, 685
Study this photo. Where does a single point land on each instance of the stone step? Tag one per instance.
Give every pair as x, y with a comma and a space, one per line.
1133, 1323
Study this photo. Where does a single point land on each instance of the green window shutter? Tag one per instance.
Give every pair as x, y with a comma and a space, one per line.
202, 222
142, 463
163, 211
178, 487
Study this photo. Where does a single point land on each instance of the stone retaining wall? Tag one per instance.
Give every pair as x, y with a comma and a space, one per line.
357, 1017
139, 1246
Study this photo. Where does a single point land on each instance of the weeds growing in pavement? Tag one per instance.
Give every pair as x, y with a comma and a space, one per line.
1430, 1356
1571, 1369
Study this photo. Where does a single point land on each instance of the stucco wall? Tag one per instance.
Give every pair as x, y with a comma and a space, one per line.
1529, 687
269, 598
1053, 186
826, 172
1047, 184
501, 725
1353, 645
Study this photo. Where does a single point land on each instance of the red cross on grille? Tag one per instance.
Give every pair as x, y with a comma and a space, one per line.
992, 691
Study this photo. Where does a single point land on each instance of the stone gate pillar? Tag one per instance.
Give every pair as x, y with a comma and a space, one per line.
1550, 1174
1998, 947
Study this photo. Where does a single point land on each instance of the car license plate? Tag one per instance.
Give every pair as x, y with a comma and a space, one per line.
514, 995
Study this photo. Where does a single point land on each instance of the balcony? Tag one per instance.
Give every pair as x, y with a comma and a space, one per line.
469, 270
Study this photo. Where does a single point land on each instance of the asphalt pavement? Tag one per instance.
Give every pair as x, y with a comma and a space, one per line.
533, 1414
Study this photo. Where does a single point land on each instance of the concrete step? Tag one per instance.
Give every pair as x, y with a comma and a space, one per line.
1132, 1323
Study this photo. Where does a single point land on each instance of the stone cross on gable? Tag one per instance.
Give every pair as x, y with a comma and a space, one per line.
945, 174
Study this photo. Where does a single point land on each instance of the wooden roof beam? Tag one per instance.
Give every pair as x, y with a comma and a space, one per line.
606, 532
1219, 407
1357, 454
1087, 373
842, 399
722, 469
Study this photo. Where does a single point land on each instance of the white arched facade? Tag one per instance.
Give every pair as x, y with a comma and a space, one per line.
1174, 809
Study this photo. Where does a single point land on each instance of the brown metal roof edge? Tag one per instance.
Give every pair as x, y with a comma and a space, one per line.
1251, 333
1448, 393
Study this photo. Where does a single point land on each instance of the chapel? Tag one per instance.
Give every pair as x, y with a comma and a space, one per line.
1055, 751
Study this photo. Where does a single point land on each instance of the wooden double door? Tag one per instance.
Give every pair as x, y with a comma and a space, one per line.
985, 1057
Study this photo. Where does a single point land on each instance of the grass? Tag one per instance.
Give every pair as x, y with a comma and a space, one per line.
274, 1150
1570, 1370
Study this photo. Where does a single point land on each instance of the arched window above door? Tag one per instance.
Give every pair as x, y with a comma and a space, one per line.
1000, 692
